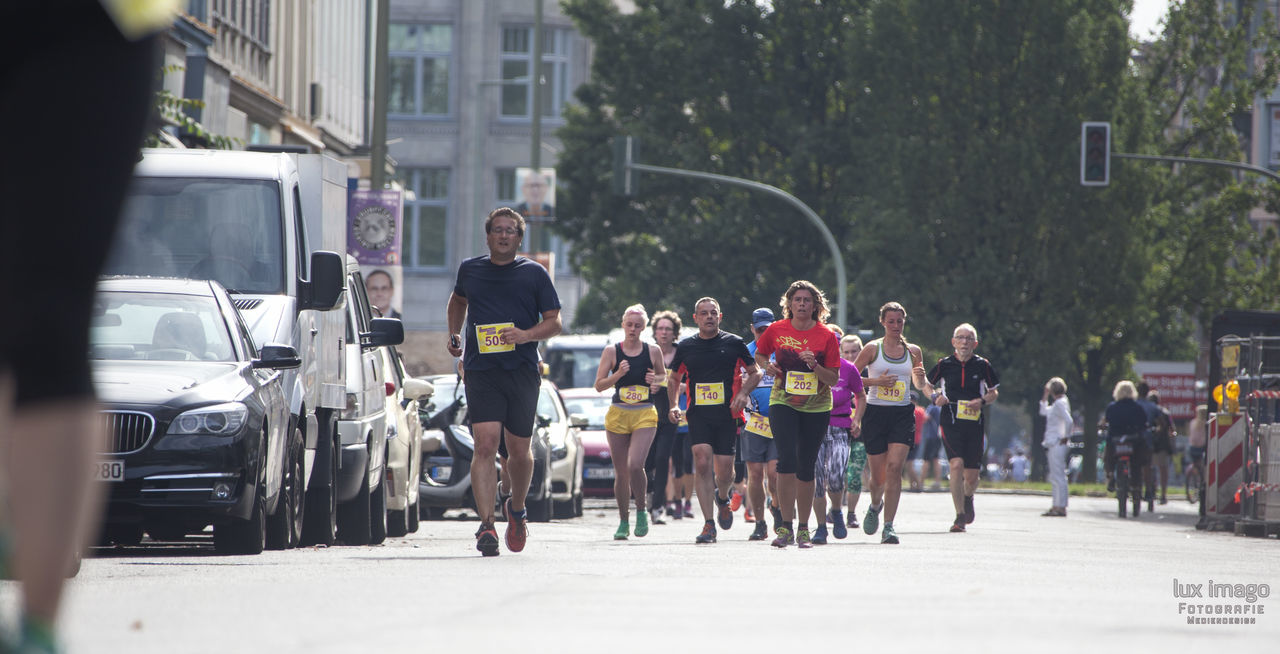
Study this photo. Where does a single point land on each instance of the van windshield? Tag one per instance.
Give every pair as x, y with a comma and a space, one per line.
228, 230
573, 368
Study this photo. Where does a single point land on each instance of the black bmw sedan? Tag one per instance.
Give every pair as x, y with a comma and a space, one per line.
197, 422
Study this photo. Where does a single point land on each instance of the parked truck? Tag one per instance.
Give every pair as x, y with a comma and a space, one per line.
271, 228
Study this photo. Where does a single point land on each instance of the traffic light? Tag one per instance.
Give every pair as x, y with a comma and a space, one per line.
1095, 154
624, 177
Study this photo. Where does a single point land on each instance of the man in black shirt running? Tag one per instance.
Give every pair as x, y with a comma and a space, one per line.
710, 361
509, 304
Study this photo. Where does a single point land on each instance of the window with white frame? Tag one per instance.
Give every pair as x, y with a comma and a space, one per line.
517, 64
419, 62
426, 217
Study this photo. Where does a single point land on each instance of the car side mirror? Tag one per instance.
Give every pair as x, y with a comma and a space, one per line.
323, 291
276, 356
578, 420
383, 331
544, 421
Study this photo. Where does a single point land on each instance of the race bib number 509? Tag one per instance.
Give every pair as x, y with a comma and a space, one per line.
489, 338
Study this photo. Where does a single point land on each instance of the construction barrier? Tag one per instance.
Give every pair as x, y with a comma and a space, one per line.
1224, 465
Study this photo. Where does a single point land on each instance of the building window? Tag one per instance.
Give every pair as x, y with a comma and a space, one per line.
517, 64
426, 217
418, 69
506, 186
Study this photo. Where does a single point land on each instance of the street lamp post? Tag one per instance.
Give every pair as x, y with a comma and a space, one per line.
480, 118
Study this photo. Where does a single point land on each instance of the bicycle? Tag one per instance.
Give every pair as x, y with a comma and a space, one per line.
1193, 480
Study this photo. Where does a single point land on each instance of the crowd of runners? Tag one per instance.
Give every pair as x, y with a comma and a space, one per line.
795, 423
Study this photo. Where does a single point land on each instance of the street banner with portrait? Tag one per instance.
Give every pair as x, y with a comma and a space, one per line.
537, 194
376, 221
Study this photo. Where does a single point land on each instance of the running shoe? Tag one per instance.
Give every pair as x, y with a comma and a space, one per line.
708, 534
724, 514
761, 531
655, 517
642, 524
37, 637
748, 516
802, 539
673, 510
784, 537
871, 521
838, 528
968, 509
853, 520
624, 529
888, 536
735, 500
517, 528
957, 527
819, 535
688, 509
1111, 485
487, 540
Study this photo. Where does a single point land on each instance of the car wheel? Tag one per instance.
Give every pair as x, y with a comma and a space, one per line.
413, 516
378, 514
284, 528
243, 536
353, 516
321, 522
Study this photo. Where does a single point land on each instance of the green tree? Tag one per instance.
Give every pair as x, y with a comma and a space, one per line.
175, 110
940, 142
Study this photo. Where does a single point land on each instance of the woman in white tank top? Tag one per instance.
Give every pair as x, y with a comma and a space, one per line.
888, 420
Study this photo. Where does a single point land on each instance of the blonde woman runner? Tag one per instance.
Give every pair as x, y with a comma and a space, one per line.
634, 369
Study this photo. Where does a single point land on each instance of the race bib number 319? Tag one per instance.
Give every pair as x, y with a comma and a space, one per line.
893, 393
489, 338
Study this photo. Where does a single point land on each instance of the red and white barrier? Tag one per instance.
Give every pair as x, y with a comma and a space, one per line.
1225, 460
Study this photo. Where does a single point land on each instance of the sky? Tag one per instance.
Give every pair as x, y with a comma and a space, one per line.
1146, 17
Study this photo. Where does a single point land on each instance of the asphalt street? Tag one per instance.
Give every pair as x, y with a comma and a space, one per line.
1015, 582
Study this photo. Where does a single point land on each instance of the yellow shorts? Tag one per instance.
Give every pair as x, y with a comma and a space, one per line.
624, 421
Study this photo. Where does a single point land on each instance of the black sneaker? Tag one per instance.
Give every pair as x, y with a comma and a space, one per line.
968, 509
1111, 485
487, 540
725, 514
761, 532
708, 534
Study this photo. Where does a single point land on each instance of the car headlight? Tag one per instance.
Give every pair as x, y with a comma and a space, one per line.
353, 407
559, 451
218, 420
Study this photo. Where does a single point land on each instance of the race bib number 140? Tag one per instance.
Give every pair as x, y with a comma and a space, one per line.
708, 394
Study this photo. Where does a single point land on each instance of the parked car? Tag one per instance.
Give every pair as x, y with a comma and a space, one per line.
404, 443
362, 424
566, 451
197, 419
590, 405
443, 485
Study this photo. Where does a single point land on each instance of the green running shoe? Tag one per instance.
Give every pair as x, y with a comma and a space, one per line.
642, 523
624, 528
871, 522
888, 536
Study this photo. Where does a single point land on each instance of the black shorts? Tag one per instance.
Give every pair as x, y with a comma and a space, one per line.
720, 434
799, 436
882, 425
965, 442
79, 226
506, 396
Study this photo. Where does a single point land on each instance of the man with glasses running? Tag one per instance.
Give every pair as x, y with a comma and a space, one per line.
509, 304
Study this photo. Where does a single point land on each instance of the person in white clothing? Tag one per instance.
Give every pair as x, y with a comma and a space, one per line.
1057, 412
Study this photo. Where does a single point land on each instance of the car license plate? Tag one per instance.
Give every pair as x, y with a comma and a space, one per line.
108, 471
598, 473
441, 473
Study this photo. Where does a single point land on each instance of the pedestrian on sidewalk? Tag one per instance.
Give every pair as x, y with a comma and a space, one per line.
1056, 409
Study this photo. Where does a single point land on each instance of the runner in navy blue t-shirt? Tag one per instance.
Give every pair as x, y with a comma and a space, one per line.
509, 304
